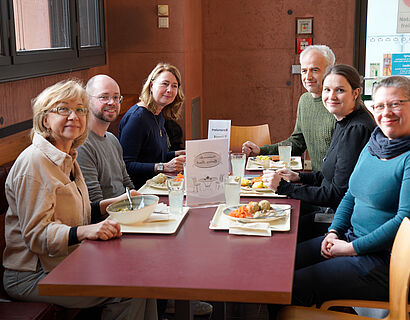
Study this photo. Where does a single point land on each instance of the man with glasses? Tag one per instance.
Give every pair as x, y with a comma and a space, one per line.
100, 157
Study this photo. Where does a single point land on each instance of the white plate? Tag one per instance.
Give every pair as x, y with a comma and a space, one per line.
282, 212
156, 185
252, 165
222, 222
260, 190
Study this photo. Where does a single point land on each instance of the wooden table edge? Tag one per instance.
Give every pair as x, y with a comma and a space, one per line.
165, 293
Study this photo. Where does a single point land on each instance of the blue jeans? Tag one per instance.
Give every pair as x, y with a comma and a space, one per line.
318, 279
308, 228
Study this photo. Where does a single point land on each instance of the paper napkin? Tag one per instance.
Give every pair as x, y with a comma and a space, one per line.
250, 229
161, 213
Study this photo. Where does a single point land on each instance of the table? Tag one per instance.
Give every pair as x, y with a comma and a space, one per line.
195, 263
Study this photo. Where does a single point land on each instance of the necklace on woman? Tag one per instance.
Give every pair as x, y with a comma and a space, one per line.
159, 127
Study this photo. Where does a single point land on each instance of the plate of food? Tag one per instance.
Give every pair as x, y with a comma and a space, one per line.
272, 162
158, 182
262, 211
254, 184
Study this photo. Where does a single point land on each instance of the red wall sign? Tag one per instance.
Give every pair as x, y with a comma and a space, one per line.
302, 43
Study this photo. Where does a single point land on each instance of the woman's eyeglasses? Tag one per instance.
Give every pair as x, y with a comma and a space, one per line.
393, 106
66, 111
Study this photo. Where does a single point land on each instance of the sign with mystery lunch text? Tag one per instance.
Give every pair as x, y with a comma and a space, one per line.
207, 163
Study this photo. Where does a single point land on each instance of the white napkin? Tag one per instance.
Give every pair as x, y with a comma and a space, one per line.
161, 213
250, 229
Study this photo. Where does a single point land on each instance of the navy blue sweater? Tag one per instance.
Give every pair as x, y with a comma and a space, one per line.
144, 142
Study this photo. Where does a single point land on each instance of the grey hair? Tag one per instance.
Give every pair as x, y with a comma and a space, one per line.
326, 52
399, 82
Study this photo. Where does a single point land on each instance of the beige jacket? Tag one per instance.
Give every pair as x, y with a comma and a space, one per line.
43, 204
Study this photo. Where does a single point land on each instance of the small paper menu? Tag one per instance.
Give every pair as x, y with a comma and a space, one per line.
206, 166
218, 129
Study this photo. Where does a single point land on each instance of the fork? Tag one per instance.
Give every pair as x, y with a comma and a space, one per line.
272, 214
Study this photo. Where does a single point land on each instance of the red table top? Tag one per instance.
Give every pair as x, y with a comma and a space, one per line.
195, 263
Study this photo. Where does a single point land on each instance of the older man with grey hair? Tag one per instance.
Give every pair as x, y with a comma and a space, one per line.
314, 124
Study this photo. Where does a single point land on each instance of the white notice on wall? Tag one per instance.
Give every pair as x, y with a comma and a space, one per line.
219, 129
207, 163
403, 17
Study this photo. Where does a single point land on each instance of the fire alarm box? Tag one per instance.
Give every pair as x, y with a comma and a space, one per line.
302, 43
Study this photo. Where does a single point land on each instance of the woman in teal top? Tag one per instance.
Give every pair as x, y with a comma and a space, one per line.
352, 260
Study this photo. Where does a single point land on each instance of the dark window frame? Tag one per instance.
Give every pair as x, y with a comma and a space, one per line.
23, 65
360, 36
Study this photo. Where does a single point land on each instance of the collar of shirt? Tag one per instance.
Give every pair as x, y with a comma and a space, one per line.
58, 157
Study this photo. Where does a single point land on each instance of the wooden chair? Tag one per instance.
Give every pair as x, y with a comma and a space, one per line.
398, 283
257, 134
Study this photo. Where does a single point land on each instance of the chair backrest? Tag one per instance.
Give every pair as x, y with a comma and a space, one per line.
400, 273
257, 134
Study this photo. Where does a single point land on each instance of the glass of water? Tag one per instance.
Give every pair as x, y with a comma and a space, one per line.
285, 151
238, 161
232, 187
176, 188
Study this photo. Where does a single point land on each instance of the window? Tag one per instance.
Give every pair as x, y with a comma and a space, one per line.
50, 36
89, 34
385, 40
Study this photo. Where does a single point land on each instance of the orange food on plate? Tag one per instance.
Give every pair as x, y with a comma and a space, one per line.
241, 212
274, 158
256, 179
179, 177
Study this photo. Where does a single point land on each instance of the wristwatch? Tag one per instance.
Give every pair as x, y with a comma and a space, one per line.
332, 231
160, 167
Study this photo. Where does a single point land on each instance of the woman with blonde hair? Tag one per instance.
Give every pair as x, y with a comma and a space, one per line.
142, 133
49, 210
145, 143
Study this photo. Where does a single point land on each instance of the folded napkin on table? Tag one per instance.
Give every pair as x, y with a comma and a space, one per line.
161, 213
250, 229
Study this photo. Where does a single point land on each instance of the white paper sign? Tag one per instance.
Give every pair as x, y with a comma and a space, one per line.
219, 129
403, 17
207, 163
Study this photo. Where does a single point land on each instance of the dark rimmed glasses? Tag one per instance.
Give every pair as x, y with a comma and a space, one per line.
393, 106
107, 99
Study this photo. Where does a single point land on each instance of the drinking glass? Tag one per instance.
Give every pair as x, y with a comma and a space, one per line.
232, 187
285, 151
238, 161
176, 195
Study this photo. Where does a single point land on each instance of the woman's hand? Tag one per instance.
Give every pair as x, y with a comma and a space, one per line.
180, 153
288, 175
327, 244
271, 179
342, 248
333, 247
175, 165
251, 149
103, 230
